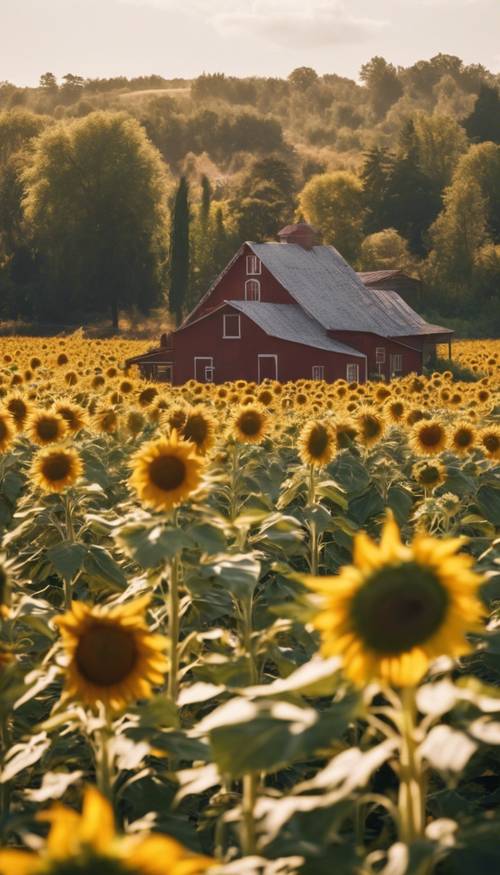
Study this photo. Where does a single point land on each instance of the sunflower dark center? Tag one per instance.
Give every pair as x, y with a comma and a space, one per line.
17, 408
3, 430
430, 435
398, 608
167, 472
250, 423
429, 475
47, 428
195, 429
106, 654
491, 442
371, 426
318, 441
56, 467
463, 437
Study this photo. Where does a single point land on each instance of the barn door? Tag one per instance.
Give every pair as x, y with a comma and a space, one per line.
267, 367
204, 369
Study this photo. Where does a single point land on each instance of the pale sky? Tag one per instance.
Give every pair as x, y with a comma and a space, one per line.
100, 38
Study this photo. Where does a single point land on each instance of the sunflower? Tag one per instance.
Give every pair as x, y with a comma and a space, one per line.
106, 420
7, 431
18, 408
462, 438
489, 439
346, 433
55, 468
165, 472
44, 428
74, 416
249, 424
87, 844
370, 425
397, 607
395, 410
199, 428
134, 422
429, 475
316, 443
112, 656
428, 437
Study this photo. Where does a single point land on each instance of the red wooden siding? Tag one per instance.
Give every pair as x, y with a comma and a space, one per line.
238, 358
368, 344
232, 287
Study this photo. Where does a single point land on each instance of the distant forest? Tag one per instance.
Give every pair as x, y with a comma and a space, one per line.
127, 195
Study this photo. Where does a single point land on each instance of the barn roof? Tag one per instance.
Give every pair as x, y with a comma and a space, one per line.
331, 292
373, 276
289, 322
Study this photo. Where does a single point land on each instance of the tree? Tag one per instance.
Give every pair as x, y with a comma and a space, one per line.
95, 195
302, 78
439, 142
333, 203
375, 175
264, 199
383, 85
413, 200
484, 121
179, 251
457, 234
49, 82
18, 127
386, 250
481, 164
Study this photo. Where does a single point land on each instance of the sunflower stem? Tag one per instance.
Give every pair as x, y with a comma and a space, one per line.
249, 835
5, 787
70, 536
103, 771
411, 801
233, 499
247, 635
314, 540
173, 629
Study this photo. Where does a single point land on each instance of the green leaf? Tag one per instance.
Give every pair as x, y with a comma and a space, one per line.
101, 568
67, 558
151, 545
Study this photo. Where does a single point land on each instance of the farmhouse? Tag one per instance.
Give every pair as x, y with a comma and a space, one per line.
289, 310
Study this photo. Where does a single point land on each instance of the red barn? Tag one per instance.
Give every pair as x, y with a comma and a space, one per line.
291, 310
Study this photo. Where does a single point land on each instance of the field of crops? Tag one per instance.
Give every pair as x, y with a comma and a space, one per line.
247, 629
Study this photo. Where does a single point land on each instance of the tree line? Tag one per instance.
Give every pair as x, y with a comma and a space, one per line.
115, 195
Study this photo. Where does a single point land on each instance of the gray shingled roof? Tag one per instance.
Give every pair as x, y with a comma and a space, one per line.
289, 322
371, 276
330, 291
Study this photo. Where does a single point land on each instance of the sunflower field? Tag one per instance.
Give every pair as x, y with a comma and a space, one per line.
247, 628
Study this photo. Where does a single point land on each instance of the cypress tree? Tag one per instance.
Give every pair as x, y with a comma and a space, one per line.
206, 197
179, 251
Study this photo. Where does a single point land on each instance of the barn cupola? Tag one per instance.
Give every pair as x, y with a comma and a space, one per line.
301, 234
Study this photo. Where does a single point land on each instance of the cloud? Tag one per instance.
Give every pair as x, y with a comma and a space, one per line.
294, 23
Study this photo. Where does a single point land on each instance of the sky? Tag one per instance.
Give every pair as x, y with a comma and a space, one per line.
183, 38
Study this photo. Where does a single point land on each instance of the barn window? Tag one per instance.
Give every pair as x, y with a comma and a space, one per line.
254, 266
396, 364
231, 326
380, 355
352, 373
318, 372
252, 290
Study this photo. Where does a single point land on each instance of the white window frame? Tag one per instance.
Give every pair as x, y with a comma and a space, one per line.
209, 373
203, 358
349, 378
225, 334
267, 356
380, 355
257, 289
396, 361
253, 265
163, 368
318, 372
